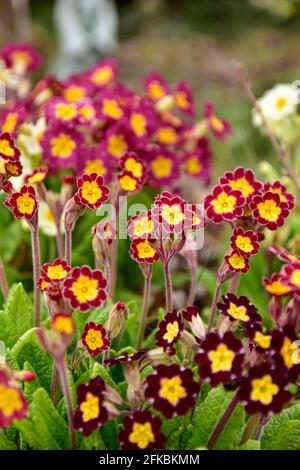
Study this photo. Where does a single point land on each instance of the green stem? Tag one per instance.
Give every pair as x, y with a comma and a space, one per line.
168, 286
214, 305
55, 385
36, 260
63, 374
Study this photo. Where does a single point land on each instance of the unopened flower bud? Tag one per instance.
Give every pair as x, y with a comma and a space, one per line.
24, 376
200, 129
116, 320
158, 356
135, 393
188, 339
73, 211
166, 103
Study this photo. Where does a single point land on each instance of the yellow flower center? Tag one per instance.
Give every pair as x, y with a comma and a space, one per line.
87, 111
117, 145
221, 359
128, 183
264, 341
91, 191
161, 167
6, 149
295, 277
181, 100
239, 313
280, 103
290, 352
216, 123
74, 93
90, 407
10, 400
95, 166
21, 57
62, 146
155, 90
145, 250
25, 204
142, 226
56, 272
94, 339
141, 435
243, 185
136, 168
172, 390
102, 75
10, 122
224, 203
276, 287
63, 324
167, 135
269, 210
244, 243
65, 111
111, 109
237, 261
138, 124
49, 216
85, 289
36, 178
263, 390
193, 166
172, 214
172, 331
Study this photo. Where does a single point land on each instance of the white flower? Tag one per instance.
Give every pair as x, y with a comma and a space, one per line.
30, 136
277, 103
47, 221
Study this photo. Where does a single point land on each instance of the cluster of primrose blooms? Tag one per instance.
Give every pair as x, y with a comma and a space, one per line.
106, 134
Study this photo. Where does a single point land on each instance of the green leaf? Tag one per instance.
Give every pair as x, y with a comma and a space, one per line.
207, 415
28, 349
29, 433
16, 318
250, 445
5, 443
109, 435
98, 369
93, 442
43, 407
44, 429
30, 387
282, 432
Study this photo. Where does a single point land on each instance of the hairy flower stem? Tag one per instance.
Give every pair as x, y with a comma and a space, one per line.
59, 241
114, 254
234, 283
222, 423
144, 316
168, 286
3, 281
36, 260
214, 304
55, 385
281, 151
252, 424
193, 286
68, 246
63, 374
